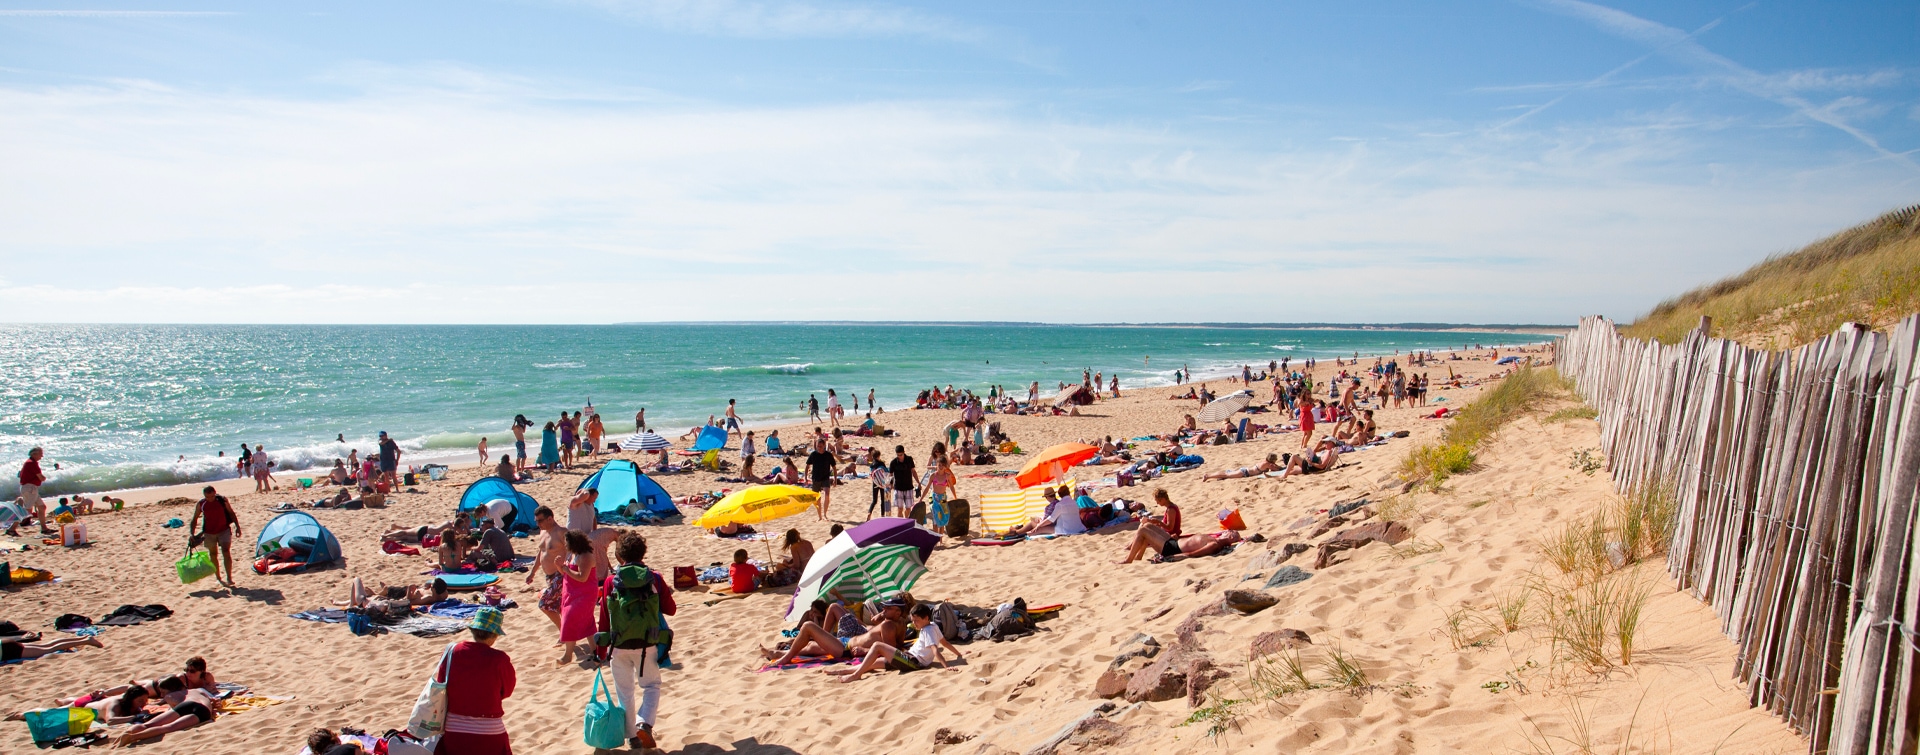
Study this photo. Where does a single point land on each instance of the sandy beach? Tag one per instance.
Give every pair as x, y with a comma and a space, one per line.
1385, 607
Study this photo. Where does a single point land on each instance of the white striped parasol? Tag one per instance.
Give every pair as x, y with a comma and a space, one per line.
645, 441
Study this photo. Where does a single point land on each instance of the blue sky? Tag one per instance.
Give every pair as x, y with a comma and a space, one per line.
619, 160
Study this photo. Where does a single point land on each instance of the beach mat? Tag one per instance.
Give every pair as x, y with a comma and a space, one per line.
466, 582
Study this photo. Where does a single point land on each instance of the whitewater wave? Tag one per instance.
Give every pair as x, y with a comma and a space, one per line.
73, 478
559, 365
1285, 346
788, 369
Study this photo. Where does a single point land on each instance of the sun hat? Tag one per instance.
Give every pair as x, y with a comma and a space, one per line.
487, 620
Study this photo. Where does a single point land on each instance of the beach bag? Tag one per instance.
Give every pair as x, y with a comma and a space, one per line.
1230, 520
430, 711
48, 724
948, 620
194, 566
605, 724
958, 512
685, 577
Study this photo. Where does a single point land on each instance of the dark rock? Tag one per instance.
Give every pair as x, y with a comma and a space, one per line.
1112, 683
1141, 645
1161, 680
946, 736
1096, 734
1269, 643
1202, 584
1293, 549
1247, 602
1287, 575
1200, 678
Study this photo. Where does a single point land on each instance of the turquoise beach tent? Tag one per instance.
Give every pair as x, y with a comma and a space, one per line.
711, 438
489, 488
312, 544
623, 489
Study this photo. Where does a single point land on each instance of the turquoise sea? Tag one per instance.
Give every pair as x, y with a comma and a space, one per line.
123, 406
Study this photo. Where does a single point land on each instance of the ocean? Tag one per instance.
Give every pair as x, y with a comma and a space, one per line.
126, 406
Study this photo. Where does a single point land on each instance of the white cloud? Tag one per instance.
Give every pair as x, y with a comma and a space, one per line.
21, 13
1682, 46
461, 197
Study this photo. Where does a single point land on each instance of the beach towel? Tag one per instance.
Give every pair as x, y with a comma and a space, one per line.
808, 661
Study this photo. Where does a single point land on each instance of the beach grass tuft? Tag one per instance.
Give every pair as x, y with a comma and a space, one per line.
1869, 273
1515, 395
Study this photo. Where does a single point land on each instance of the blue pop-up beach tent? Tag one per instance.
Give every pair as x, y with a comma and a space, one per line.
711, 438
624, 490
488, 488
312, 544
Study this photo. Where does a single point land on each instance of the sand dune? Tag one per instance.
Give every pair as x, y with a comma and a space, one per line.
1385, 607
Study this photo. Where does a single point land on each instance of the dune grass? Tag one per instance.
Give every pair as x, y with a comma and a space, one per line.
1514, 396
1867, 274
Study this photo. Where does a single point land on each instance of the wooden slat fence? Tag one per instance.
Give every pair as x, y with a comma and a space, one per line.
1795, 475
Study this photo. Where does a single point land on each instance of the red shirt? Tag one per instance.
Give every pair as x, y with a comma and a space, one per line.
479, 679
30, 473
213, 515
1171, 522
743, 575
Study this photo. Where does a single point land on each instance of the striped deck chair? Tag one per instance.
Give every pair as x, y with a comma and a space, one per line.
1002, 510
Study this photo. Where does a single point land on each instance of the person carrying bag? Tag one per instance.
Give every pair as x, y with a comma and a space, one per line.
471, 720
635, 601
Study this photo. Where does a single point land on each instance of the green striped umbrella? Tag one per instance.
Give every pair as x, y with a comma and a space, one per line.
877, 572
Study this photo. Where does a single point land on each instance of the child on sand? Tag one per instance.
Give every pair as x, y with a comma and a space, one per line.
742, 574
924, 653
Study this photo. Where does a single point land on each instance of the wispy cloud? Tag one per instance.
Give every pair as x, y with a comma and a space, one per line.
1683, 46
769, 19
110, 13
186, 205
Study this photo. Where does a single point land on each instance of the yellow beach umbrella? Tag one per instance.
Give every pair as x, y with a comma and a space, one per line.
760, 503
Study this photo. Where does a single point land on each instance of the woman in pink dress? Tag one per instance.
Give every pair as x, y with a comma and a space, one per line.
579, 595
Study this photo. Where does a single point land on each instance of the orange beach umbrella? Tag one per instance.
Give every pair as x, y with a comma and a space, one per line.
1053, 462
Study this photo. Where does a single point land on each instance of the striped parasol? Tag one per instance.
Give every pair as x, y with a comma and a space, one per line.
1224, 407
645, 441
876, 573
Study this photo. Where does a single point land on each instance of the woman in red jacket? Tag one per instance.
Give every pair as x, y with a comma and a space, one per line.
478, 679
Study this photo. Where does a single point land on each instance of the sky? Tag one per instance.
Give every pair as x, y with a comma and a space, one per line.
584, 161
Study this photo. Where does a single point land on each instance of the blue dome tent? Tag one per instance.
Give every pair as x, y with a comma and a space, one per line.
489, 488
624, 491
312, 544
711, 438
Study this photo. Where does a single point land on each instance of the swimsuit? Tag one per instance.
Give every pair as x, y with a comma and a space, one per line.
1170, 548
550, 596
195, 709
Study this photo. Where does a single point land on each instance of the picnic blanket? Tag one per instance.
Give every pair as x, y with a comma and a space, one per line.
417, 625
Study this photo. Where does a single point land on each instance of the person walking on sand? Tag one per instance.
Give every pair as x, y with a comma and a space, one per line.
220, 527
834, 410
476, 720
813, 407
635, 601
31, 478
548, 548
484, 456
596, 430
904, 476
733, 418
580, 579
872, 405
262, 470
820, 463
389, 460
568, 437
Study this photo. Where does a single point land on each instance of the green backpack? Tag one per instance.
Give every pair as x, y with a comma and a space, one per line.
633, 611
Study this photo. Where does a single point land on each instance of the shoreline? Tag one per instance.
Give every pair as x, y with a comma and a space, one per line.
450, 456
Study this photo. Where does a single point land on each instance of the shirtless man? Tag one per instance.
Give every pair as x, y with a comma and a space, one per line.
813, 640
520, 425
1323, 457
549, 548
1151, 537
